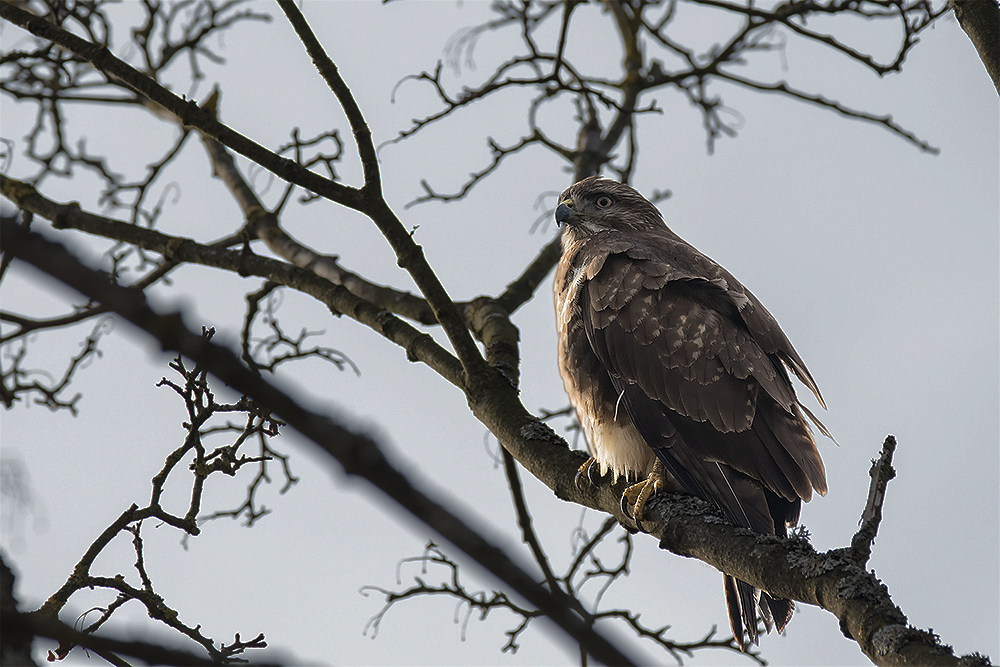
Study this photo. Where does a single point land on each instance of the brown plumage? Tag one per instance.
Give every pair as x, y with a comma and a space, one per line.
678, 373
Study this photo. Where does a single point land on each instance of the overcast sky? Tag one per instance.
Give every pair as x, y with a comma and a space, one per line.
880, 262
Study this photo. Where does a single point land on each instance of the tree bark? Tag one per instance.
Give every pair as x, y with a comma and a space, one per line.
980, 19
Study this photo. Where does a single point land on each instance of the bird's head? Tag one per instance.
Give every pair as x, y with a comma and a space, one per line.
598, 204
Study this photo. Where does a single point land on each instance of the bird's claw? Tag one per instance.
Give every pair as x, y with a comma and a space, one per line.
582, 473
626, 510
589, 471
635, 497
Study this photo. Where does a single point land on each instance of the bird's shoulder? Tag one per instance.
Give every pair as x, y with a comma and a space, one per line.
616, 266
631, 277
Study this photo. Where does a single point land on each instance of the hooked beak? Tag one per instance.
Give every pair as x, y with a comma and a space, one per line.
565, 212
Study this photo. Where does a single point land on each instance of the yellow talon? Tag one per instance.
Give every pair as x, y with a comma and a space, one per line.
637, 495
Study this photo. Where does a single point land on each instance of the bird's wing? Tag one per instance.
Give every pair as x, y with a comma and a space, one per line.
699, 387
679, 259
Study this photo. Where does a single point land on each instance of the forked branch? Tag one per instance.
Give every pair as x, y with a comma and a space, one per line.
357, 453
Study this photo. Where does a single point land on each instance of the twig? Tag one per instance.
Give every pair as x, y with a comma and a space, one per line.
371, 202
357, 453
881, 472
528, 534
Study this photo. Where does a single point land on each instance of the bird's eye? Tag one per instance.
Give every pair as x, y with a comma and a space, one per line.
604, 201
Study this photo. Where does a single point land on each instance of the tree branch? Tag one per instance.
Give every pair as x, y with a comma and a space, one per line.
980, 19
528, 534
409, 255
357, 453
881, 473
784, 89
188, 111
418, 345
106, 647
833, 580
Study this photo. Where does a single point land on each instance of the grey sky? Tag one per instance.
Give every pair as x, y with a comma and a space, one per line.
879, 261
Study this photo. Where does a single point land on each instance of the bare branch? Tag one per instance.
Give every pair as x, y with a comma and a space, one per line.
358, 454
524, 521
452, 587
980, 19
886, 120
17, 381
643, 73
499, 154
409, 255
418, 345
881, 472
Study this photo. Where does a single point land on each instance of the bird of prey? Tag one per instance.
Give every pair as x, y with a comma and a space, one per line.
679, 377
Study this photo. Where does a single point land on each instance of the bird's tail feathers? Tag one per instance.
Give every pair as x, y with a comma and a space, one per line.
743, 603
735, 613
780, 608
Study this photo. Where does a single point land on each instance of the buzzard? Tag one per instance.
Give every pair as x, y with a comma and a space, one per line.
679, 377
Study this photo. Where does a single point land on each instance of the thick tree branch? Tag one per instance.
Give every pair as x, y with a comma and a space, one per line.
418, 345
835, 580
409, 255
980, 19
367, 200
357, 453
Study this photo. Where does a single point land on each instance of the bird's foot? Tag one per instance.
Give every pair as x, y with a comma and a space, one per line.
635, 497
589, 473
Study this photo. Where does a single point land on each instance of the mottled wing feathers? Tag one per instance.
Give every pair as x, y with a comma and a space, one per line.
670, 258
664, 353
702, 372
716, 408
